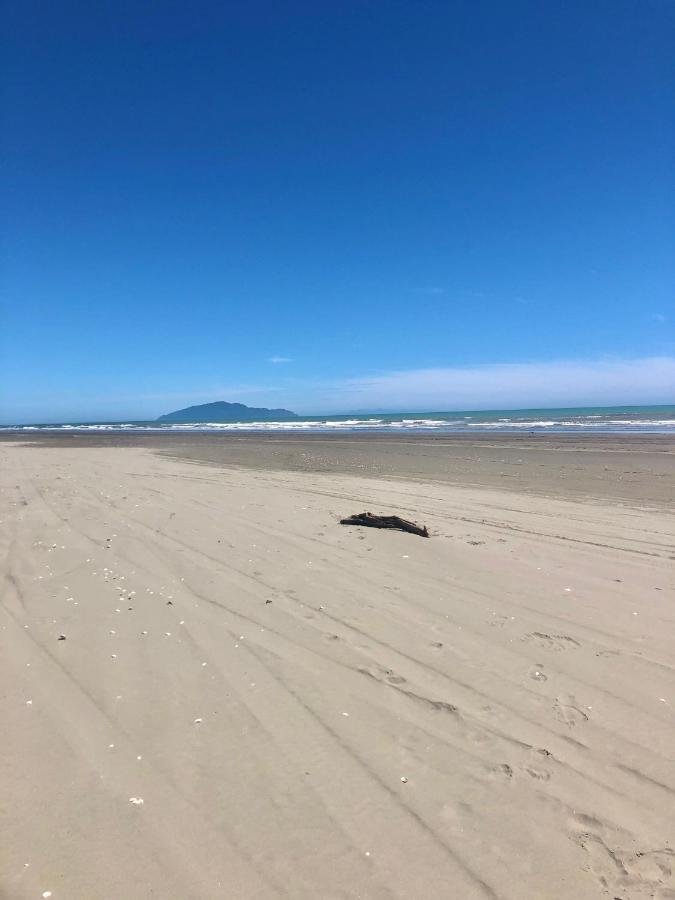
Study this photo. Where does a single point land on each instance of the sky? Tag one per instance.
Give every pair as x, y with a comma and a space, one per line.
335, 206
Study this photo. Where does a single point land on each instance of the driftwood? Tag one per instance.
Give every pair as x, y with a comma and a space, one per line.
373, 521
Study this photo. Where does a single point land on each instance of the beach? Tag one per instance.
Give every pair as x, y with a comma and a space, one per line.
212, 688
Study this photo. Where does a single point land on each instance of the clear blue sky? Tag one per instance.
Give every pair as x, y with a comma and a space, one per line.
394, 196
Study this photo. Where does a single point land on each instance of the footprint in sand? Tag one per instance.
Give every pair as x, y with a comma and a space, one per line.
537, 774
624, 872
569, 712
537, 673
503, 771
552, 641
380, 674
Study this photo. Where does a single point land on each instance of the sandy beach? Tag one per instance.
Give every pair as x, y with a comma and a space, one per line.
210, 688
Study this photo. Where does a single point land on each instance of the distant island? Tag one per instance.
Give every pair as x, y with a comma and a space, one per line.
227, 412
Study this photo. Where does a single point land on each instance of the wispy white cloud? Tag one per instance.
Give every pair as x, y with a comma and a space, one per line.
659, 317
603, 382
278, 360
503, 385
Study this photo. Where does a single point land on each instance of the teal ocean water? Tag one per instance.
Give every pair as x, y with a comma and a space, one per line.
600, 419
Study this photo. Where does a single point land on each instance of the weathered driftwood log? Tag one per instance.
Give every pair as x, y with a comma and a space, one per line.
373, 521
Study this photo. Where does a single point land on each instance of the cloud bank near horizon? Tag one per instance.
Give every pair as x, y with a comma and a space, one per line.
562, 383
516, 385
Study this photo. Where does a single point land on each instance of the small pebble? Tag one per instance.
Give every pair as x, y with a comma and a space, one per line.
137, 801
404, 779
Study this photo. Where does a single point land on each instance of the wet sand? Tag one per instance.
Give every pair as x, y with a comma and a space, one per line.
632, 468
254, 701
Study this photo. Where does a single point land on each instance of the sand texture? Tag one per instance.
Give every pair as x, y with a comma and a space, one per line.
253, 701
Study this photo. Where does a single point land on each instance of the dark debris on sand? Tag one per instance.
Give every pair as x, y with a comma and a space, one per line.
372, 521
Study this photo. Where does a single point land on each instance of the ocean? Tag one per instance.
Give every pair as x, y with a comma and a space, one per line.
600, 419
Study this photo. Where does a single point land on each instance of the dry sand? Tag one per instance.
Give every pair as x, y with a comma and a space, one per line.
252, 701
